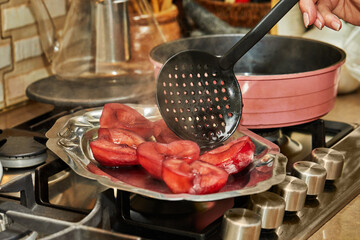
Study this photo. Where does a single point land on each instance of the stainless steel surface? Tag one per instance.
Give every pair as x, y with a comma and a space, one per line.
67, 189
44, 222
271, 208
240, 224
10, 174
69, 139
313, 174
336, 195
293, 190
331, 160
3, 221
21, 151
317, 211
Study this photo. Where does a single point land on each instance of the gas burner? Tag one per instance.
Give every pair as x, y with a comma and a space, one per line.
194, 216
22, 151
271, 134
27, 218
62, 204
288, 146
291, 147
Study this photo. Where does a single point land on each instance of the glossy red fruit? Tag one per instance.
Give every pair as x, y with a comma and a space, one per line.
103, 133
163, 134
195, 178
233, 156
117, 115
120, 136
113, 155
152, 154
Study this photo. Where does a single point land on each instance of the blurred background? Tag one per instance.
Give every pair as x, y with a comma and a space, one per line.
22, 60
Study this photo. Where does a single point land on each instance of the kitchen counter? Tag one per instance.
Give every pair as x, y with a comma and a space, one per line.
344, 225
22, 113
347, 108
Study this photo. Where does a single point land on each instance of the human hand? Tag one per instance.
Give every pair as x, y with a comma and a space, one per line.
329, 12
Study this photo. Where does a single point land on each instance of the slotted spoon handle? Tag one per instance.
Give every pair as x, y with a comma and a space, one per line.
229, 59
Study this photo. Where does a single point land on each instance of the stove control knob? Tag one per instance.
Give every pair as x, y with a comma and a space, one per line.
331, 160
293, 190
240, 223
313, 174
271, 208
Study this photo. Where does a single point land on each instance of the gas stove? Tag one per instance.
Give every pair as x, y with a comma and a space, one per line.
41, 197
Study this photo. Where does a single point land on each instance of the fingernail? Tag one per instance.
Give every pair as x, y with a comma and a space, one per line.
336, 25
306, 19
318, 24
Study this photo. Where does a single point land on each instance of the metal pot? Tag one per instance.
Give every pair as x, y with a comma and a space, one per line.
284, 81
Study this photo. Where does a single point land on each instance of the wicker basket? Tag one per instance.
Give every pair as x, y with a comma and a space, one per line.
237, 14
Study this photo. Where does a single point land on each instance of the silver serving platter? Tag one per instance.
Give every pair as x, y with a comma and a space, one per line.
70, 136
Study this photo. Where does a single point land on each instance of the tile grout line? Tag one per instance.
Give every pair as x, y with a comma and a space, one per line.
11, 67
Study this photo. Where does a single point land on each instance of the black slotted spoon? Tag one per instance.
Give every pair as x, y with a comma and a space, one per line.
198, 94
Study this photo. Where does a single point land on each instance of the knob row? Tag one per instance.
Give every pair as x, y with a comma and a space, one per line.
268, 208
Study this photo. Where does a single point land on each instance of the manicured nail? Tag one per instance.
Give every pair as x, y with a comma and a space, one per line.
306, 19
318, 24
336, 25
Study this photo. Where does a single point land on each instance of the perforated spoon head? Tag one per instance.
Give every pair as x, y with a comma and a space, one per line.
197, 99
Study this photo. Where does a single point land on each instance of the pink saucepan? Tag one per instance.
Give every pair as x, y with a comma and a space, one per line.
284, 81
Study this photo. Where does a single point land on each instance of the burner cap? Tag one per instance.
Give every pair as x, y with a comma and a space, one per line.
21, 152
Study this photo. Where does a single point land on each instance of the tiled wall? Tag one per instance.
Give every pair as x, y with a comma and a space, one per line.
21, 57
